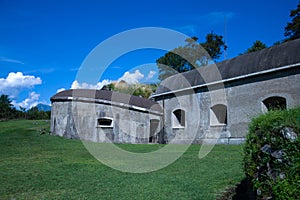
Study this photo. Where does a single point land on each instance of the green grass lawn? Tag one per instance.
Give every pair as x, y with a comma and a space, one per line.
34, 166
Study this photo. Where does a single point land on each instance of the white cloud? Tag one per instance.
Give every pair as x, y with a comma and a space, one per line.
31, 101
4, 59
15, 82
132, 78
151, 74
60, 90
98, 86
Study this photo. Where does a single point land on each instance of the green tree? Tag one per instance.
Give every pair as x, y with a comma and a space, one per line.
191, 56
278, 42
111, 86
5, 107
171, 63
143, 90
7, 111
292, 29
257, 45
23, 111
33, 113
213, 45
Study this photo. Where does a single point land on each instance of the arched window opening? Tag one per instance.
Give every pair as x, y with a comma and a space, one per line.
218, 115
274, 103
178, 118
105, 122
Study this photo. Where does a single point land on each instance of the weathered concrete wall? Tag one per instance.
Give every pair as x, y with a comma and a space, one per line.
79, 120
243, 100
246, 101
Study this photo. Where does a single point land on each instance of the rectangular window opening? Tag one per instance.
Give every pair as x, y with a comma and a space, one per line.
105, 122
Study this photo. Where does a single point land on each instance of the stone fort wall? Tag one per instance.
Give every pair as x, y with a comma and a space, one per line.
102, 123
244, 99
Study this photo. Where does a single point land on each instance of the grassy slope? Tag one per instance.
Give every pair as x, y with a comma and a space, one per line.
34, 166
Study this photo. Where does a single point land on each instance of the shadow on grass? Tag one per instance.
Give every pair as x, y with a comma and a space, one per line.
242, 191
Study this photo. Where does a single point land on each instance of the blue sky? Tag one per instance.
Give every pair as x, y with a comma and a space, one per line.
43, 43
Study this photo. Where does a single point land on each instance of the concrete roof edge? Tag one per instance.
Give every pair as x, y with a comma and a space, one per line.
100, 101
227, 80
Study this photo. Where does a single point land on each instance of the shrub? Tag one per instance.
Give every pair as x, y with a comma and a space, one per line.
289, 188
272, 154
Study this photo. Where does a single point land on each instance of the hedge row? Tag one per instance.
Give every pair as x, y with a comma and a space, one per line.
272, 154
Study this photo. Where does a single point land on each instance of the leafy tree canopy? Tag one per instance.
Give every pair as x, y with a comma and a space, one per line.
7, 111
142, 90
5, 107
292, 29
191, 56
257, 45
4, 100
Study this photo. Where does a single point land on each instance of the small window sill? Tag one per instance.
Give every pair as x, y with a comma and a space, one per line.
178, 127
104, 126
218, 125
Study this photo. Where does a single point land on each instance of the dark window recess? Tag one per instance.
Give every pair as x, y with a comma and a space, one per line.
219, 114
104, 122
275, 103
154, 123
179, 118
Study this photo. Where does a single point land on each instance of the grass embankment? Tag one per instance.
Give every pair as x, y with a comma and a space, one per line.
34, 166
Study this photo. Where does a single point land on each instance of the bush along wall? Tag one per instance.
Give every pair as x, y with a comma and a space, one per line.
272, 154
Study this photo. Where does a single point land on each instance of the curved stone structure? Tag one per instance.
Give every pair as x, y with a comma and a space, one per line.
105, 116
